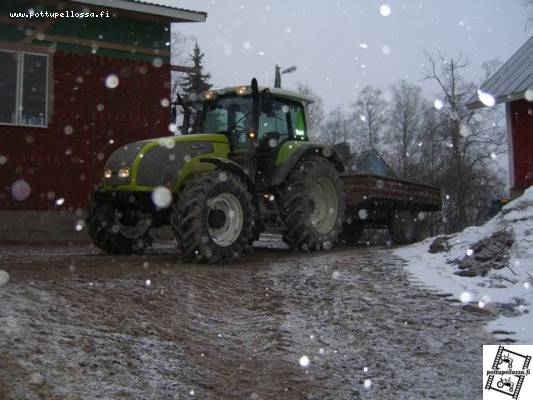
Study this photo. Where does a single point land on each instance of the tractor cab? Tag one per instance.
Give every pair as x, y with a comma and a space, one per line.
260, 124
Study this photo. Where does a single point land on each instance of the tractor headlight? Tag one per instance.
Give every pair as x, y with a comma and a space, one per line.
242, 90
108, 173
124, 173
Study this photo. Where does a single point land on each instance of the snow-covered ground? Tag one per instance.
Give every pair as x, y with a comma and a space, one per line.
276, 325
512, 284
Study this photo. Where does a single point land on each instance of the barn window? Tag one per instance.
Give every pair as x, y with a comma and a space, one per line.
23, 88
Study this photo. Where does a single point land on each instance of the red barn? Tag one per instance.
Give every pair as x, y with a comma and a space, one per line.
77, 80
512, 84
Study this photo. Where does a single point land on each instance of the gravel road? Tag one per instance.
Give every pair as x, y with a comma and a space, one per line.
347, 324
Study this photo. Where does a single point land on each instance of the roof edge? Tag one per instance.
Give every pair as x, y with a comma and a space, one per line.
147, 8
476, 104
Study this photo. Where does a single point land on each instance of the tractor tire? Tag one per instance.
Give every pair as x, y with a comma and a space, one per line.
312, 205
103, 221
214, 218
352, 233
403, 227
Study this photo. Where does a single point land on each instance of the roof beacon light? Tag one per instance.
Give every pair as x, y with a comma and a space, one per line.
242, 90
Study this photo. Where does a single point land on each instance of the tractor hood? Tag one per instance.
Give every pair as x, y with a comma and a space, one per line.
159, 161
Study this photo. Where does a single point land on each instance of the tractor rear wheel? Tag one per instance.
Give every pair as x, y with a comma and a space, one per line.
312, 205
213, 217
116, 230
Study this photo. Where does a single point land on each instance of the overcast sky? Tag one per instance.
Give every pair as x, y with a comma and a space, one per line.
341, 46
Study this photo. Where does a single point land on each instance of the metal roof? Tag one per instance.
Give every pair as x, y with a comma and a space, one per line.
150, 7
512, 80
276, 92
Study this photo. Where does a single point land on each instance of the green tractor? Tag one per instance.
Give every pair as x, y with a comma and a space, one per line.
243, 164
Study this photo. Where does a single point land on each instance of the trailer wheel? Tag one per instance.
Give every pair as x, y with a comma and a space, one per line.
312, 205
213, 218
422, 229
116, 230
352, 233
403, 227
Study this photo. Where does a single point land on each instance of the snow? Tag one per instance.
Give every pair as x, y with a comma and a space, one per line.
112, 81
162, 197
4, 278
486, 98
304, 361
510, 285
385, 10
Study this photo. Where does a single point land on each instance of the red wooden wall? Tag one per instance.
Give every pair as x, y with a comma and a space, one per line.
60, 165
521, 121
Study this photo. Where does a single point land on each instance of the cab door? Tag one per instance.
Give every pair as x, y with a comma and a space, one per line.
283, 124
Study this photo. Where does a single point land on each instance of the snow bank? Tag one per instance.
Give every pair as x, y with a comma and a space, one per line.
512, 284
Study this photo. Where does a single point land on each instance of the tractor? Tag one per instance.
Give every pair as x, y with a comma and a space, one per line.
242, 163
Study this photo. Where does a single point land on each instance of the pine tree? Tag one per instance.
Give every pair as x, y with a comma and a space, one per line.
194, 83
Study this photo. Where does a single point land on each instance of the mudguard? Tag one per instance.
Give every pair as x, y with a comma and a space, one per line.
230, 166
302, 152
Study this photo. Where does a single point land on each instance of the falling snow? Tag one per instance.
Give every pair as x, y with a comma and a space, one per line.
112, 81
20, 190
162, 197
385, 10
304, 361
486, 98
438, 104
4, 278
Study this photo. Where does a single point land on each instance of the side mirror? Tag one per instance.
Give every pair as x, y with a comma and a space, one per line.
267, 103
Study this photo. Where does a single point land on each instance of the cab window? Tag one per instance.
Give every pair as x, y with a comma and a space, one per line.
276, 121
298, 122
287, 119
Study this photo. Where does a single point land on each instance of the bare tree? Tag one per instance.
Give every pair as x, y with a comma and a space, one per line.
430, 160
337, 127
369, 118
468, 143
314, 111
406, 128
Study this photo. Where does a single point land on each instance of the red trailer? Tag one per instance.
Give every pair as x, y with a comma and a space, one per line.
379, 202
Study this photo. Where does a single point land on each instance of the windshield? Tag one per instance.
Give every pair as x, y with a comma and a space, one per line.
228, 114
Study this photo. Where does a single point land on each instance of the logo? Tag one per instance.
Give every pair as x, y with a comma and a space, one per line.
506, 372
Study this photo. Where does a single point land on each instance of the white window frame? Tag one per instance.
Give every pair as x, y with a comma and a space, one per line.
20, 85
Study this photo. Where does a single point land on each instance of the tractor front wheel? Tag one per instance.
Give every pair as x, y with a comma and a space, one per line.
213, 217
312, 205
118, 230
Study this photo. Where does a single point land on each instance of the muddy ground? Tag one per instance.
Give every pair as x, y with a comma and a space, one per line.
77, 324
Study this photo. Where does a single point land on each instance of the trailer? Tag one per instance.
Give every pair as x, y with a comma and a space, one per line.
385, 203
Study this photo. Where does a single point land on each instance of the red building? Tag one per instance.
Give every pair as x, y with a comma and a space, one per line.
77, 80
512, 84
